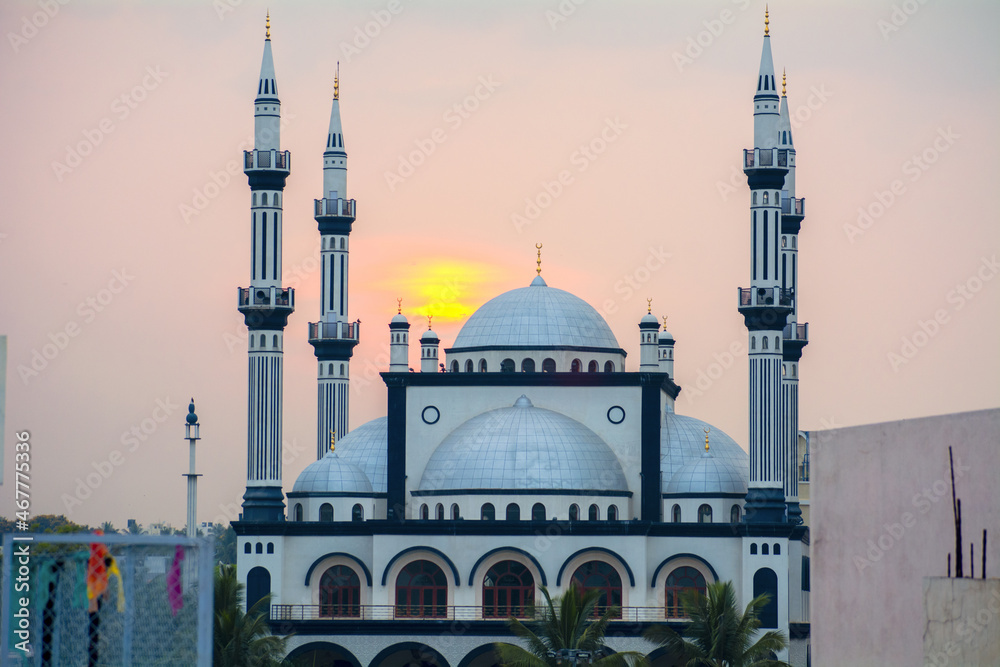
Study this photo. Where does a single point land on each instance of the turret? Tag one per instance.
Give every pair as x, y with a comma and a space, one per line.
765, 100
429, 350
649, 327
399, 342
265, 305
334, 336
666, 350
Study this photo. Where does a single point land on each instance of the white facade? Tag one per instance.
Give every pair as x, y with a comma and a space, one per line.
536, 458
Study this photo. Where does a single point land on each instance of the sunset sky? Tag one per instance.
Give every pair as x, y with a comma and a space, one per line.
125, 232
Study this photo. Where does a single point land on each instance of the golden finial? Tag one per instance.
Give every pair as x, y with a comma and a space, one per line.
267, 26
399, 306
336, 83
706, 438
664, 322
539, 261
783, 81
429, 318
333, 440
649, 306
766, 22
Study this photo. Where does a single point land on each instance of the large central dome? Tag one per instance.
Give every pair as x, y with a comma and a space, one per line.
537, 316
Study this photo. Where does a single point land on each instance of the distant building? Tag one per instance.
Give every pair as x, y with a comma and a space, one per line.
538, 458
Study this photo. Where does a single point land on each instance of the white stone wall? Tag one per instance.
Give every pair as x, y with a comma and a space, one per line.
961, 621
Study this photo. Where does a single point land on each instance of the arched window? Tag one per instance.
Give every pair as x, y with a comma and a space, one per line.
326, 512
601, 576
549, 366
468, 366
424, 512
594, 514
274, 342
255, 199
246, 548
439, 512
258, 585
765, 581
277, 199
777, 345
508, 590
421, 591
574, 512
734, 514
765, 196
342, 370
488, 512
612, 512
753, 548
342, 242
609, 367
454, 366
339, 592
513, 512
270, 547
259, 548
705, 514
592, 366
482, 365
329, 369
679, 582
263, 199
777, 549
298, 512
262, 343
765, 343
765, 549
357, 513
527, 365
753, 343
454, 512
576, 366
538, 512
755, 199
675, 514
507, 366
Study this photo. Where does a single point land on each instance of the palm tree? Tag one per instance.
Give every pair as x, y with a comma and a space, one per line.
721, 636
109, 528
566, 623
242, 639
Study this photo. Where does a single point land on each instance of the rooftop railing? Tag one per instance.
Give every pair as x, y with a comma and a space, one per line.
339, 207
269, 159
765, 296
796, 331
790, 206
334, 330
266, 296
754, 158
319, 612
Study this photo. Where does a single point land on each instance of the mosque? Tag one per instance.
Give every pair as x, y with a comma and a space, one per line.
526, 452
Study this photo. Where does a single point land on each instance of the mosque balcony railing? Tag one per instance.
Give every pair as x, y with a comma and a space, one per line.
266, 297
758, 158
334, 330
321, 612
792, 206
267, 159
335, 207
765, 296
798, 331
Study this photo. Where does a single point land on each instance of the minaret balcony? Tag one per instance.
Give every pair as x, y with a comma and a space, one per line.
346, 331
762, 158
792, 206
796, 332
266, 307
765, 297
274, 160
339, 208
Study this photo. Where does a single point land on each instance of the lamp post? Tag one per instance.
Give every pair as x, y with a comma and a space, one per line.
191, 429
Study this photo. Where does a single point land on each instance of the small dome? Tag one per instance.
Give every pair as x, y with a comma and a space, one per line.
682, 441
649, 321
332, 474
523, 447
367, 448
535, 316
429, 337
398, 318
708, 475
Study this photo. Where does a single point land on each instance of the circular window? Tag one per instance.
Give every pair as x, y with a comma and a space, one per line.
616, 414
430, 415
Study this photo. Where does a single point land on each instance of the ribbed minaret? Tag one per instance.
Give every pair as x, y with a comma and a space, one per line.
796, 336
765, 305
333, 337
265, 304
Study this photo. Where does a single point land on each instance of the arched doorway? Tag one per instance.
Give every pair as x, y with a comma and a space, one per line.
322, 654
603, 577
340, 592
679, 581
409, 654
421, 591
258, 586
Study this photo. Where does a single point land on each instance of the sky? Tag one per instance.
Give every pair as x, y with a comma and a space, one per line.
609, 132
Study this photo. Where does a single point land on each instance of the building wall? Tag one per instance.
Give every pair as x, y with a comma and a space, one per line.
961, 621
882, 521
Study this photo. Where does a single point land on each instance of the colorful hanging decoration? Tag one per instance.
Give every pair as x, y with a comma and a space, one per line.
175, 593
100, 565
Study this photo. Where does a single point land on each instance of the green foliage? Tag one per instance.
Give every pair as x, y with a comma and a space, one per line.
242, 639
51, 523
717, 634
225, 544
566, 622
